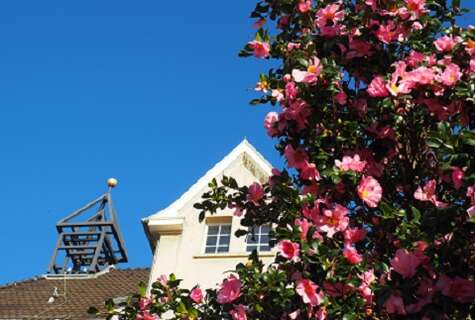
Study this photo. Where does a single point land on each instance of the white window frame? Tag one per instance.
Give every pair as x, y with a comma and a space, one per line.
219, 224
258, 244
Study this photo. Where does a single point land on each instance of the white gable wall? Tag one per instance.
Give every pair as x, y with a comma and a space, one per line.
182, 251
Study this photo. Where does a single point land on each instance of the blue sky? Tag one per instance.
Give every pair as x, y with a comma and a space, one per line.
149, 92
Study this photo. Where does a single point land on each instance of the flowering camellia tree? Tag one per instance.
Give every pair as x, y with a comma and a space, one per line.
374, 218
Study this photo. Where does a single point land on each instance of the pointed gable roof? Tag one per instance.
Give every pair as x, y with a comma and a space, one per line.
169, 215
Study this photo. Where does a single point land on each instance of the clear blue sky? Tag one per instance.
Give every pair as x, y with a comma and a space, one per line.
149, 92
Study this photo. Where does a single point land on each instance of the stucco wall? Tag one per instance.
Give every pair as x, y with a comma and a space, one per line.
183, 254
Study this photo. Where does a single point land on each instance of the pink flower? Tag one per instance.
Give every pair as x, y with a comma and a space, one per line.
472, 65
351, 163
471, 196
308, 291
427, 193
309, 171
261, 49
333, 220
144, 303
291, 91
311, 75
377, 88
321, 314
255, 193
341, 98
457, 177
196, 295
271, 124
370, 191
446, 43
421, 75
405, 263
395, 305
351, 255
295, 158
146, 315
229, 290
354, 235
389, 32
416, 8
331, 14
289, 250
239, 312
450, 76
304, 6
459, 289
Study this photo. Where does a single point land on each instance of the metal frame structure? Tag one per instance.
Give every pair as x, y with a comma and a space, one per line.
88, 246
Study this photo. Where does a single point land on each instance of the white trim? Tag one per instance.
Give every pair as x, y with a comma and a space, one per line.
244, 147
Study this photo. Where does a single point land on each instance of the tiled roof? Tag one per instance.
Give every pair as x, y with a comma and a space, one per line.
29, 299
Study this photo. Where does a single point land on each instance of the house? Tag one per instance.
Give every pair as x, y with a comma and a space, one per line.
200, 253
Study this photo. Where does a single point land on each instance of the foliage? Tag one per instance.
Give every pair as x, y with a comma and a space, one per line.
375, 215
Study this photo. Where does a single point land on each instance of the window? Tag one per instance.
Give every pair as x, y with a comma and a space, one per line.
218, 238
258, 238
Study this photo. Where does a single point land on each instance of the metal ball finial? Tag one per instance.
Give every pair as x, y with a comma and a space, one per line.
112, 182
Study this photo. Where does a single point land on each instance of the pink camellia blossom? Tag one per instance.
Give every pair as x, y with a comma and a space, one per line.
311, 75
255, 193
304, 6
144, 303
230, 290
291, 91
450, 76
331, 14
427, 193
459, 289
471, 195
146, 315
395, 305
354, 235
394, 86
421, 76
377, 88
333, 220
309, 171
271, 124
351, 163
289, 250
405, 263
472, 65
296, 158
238, 313
196, 295
457, 177
341, 98
370, 191
389, 32
446, 43
321, 314
416, 8
260, 49
351, 255
308, 291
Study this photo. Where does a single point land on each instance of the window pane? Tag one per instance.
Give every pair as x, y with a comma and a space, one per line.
210, 250
211, 240
226, 229
213, 230
224, 240
265, 229
250, 248
265, 248
223, 249
264, 239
